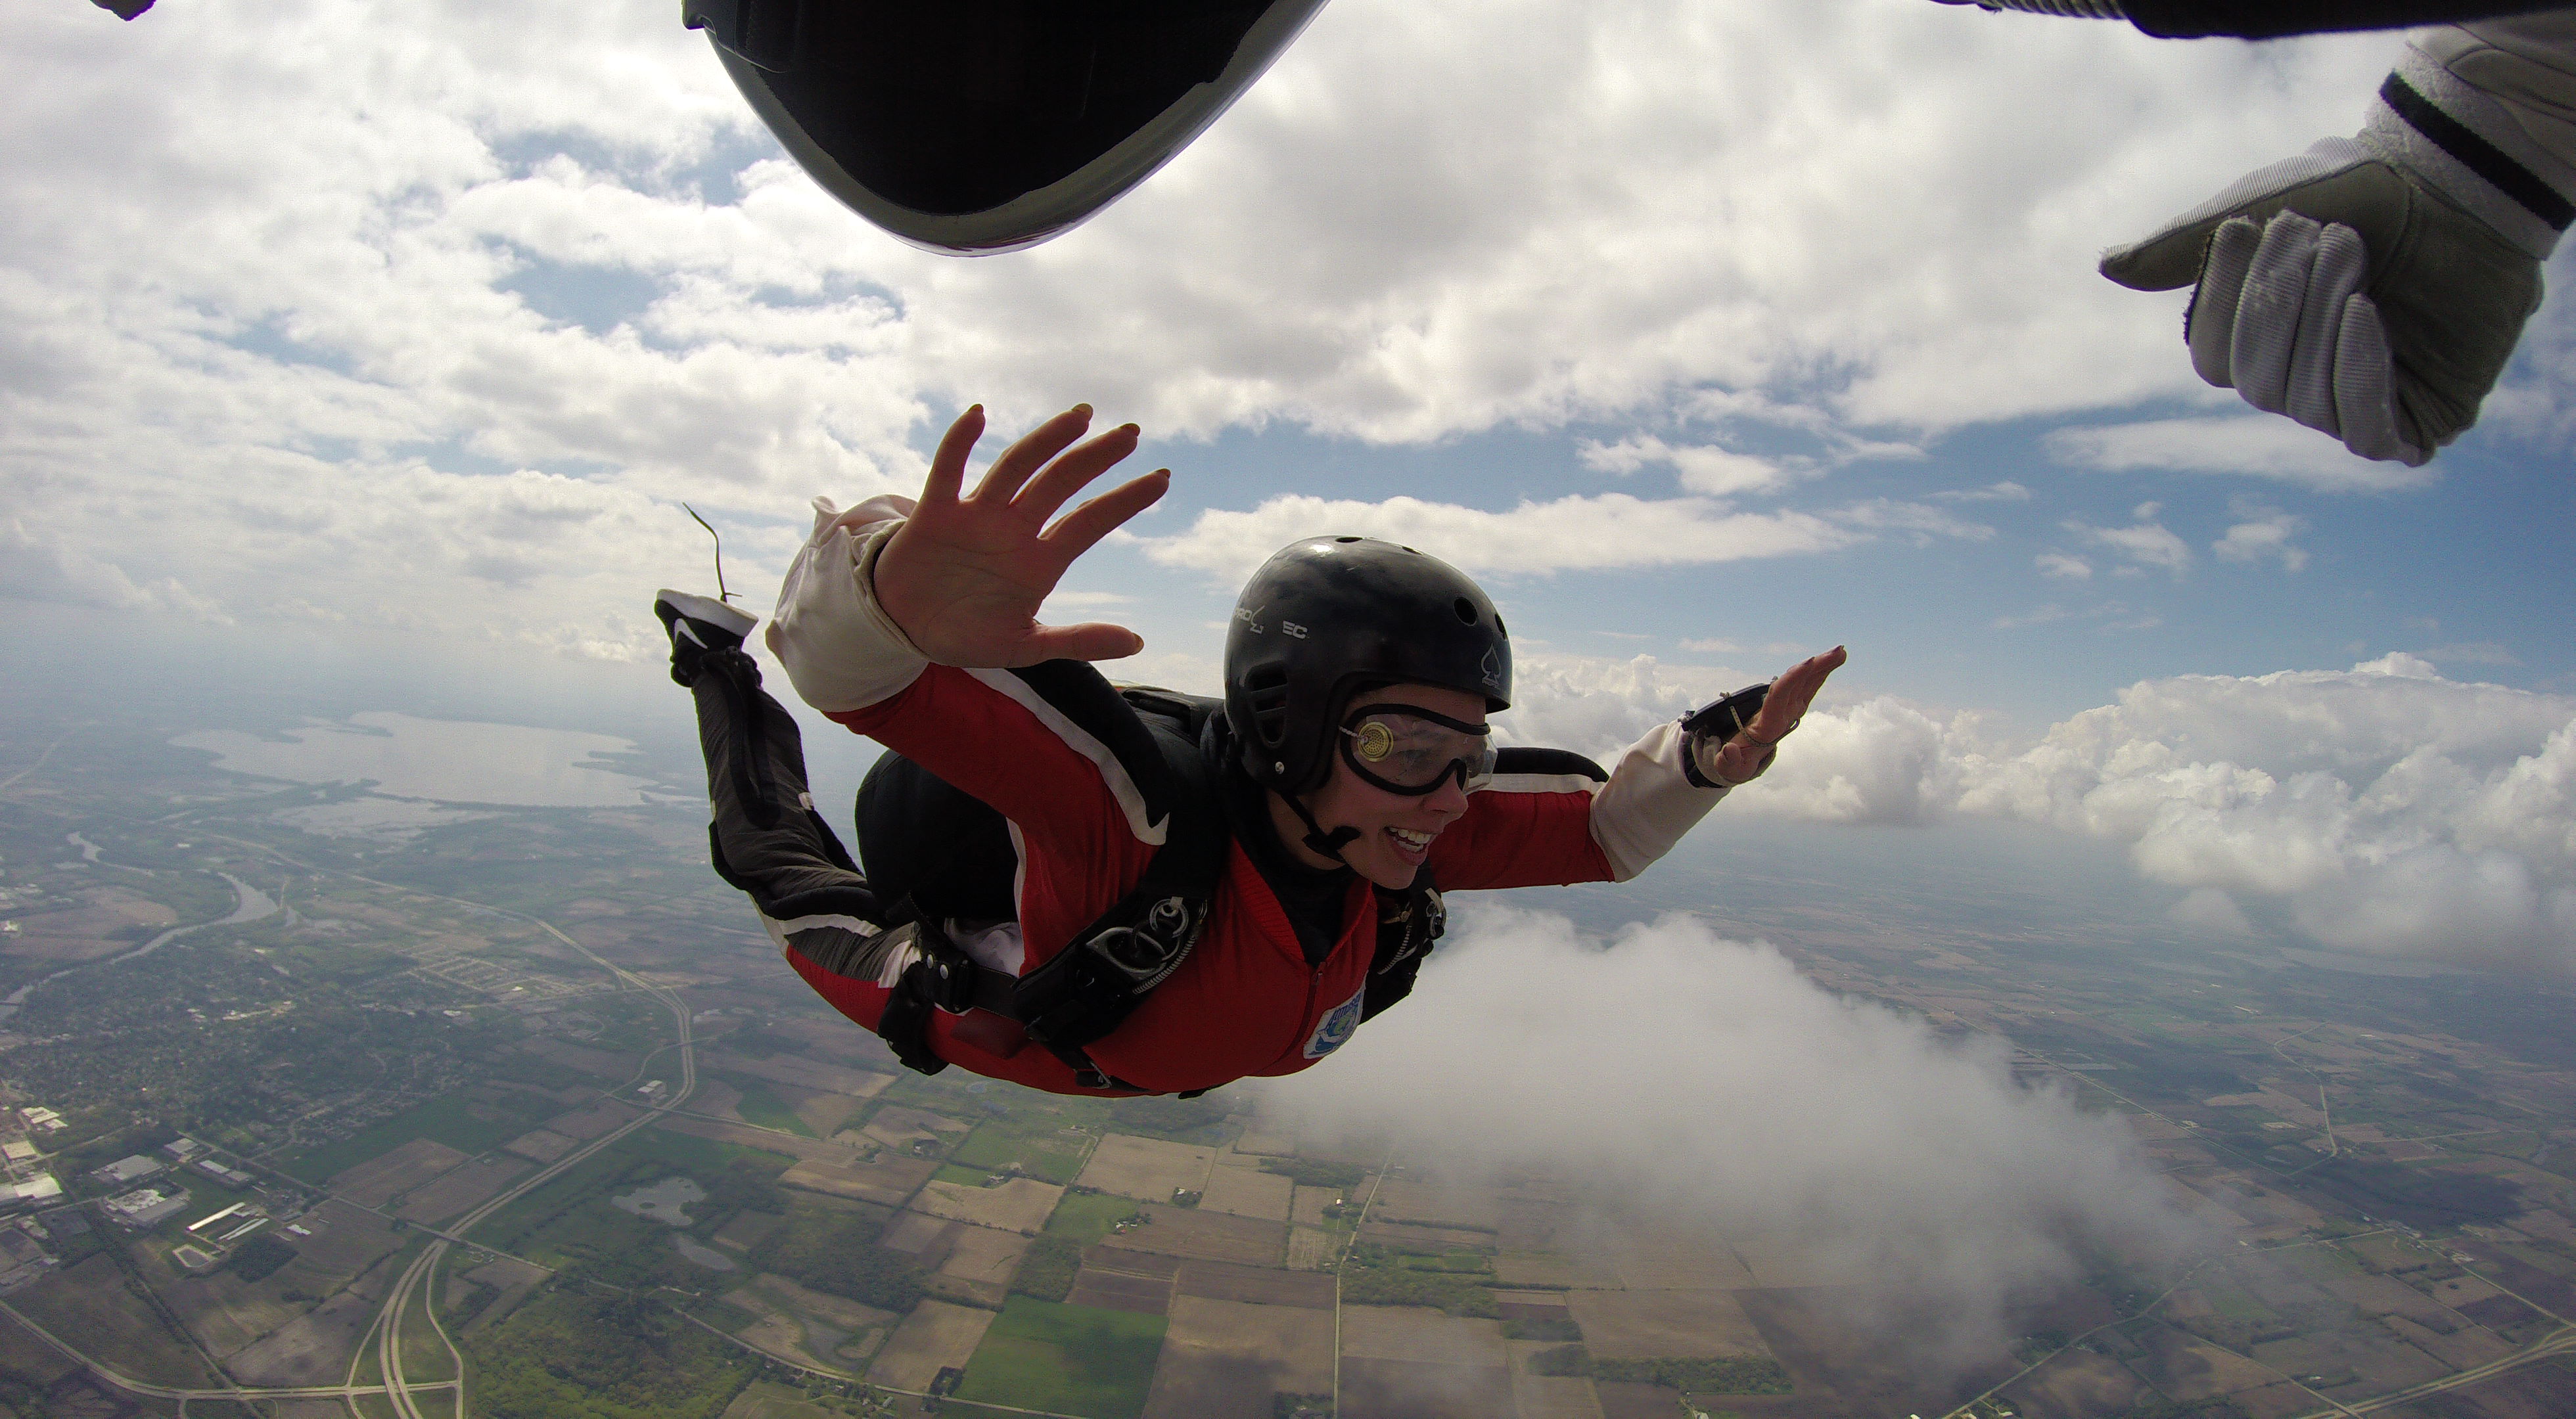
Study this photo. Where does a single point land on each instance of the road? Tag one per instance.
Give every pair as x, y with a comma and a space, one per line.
418, 1278
415, 1285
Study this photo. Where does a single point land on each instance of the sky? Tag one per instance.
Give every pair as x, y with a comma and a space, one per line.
383, 342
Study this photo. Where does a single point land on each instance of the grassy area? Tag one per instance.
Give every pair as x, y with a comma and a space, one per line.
1085, 1218
571, 1355
442, 1120
92, 1306
570, 1217
1040, 1147
965, 1177
762, 1108
1070, 1359
2229, 1299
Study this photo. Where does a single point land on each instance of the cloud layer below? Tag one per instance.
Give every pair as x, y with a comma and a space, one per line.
2382, 809
1720, 1096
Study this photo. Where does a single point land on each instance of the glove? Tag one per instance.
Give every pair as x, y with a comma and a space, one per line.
2374, 287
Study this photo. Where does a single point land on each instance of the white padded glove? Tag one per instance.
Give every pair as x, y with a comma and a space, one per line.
2373, 288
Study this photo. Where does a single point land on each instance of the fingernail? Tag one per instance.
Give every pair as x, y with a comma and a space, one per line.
1129, 429
1083, 409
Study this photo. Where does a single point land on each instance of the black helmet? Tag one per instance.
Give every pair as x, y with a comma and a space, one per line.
1327, 615
977, 126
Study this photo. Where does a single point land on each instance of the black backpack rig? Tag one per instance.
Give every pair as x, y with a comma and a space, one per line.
933, 854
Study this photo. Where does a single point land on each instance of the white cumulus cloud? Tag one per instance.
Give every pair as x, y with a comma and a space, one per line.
1733, 1099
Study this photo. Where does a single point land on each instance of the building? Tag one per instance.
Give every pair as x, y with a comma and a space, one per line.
233, 1178
19, 1150
125, 1172
35, 1191
182, 1149
145, 1207
46, 1119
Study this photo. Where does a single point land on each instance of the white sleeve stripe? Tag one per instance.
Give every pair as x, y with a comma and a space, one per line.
1113, 775
1648, 803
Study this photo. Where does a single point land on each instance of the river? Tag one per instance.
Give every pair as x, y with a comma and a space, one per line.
250, 904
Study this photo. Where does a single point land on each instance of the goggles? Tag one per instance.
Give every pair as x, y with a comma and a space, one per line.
1409, 750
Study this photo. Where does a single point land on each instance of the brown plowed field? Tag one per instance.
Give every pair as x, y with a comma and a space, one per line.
1225, 1359
412, 1165
461, 1189
1255, 1285
1209, 1236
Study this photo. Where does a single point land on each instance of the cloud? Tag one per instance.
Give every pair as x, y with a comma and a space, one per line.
44, 568
2209, 910
1702, 468
2384, 808
1749, 1107
1598, 706
2390, 809
2147, 544
2264, 536
1607, 530
1919, 523
2470, 653
2256, 445
2004, 492
484, 243
1880, 761
2064, 566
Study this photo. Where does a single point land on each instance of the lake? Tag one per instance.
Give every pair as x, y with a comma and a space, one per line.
442, 760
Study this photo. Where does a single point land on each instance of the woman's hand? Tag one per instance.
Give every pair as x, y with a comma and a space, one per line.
964, 577
1747, 754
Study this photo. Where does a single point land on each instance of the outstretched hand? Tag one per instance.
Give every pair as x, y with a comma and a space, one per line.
964, 577
1749, 752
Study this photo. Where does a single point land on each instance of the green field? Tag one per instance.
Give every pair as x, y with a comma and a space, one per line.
1040, 1146
762, 1108
1070, 1359
570, 1217
440, 1121
964, 1177
1085, 1218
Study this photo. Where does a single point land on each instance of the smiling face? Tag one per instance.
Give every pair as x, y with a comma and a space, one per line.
1395, 830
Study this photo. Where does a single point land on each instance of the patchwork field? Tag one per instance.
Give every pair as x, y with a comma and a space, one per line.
109, 921
1067, 1358
1019, 1205
1241, 1186
463, 1188
889, 1182
1113, 1278
1210, 1236
936, 1335
1671, 1325
1227, 1359
543, 1145
585, 1124
90, 1305
1147, 1169
412, 1165
802, 1073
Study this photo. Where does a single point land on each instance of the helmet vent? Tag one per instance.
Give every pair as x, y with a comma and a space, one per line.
1266, 692
1346, 539
1498, 625
1466, 610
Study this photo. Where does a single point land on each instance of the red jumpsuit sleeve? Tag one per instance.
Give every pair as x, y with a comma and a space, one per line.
1519, 840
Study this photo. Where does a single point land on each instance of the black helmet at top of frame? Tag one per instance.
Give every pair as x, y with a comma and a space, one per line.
979, 126
1327, 616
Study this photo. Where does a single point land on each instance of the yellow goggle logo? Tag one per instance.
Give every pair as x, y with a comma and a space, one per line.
1373, 741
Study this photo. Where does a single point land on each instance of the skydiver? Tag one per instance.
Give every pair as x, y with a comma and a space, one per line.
2373, 288
1170, 911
